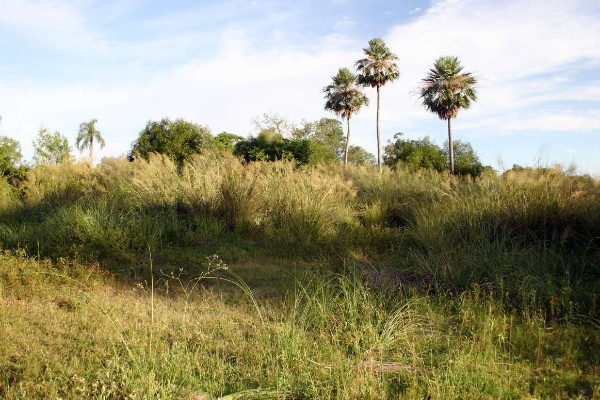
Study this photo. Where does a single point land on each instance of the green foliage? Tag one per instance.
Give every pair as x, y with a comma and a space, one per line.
178, 139
378, 68
415, 154
270, 146
358, 334
466, 161
357, 155
327, 131
343, 96
10, 156
446, 89
51, 148
225, 142
423, 153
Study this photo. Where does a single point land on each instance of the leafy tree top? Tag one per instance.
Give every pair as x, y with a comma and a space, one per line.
10, 155
50, 148
378, 67
466, 160
358, 155
327, 132
343, 96
415, 154
226, 141
446, 89
177, 139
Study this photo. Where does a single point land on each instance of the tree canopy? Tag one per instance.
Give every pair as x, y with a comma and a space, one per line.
358, 155
177, 139
466, 160
225, 141
424, 153
10, 155
446, 89
326, 136
415, 154
327, 131
378, 67
271, 146
50, 148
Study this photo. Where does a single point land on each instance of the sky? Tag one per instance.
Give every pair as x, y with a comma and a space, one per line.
222, 63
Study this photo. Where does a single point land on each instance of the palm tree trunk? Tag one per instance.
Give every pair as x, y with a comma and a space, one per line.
347, 143
450, 147
378, 136
92, 152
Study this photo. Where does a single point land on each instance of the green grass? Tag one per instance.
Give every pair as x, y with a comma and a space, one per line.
72, 330
341, 284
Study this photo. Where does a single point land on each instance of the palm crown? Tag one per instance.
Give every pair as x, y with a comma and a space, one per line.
86, 137
344, 98
446, 90
379, 67
375, 71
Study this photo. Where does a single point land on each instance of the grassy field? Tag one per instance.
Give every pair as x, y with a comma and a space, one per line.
223, 280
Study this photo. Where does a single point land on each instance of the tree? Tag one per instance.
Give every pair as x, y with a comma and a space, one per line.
274, 122
177, 139
358, 155
85, 139
415, 154
466, 160
272, 146
225, 142
50, 148
344, 98
10, 155
377, 69
446, 90
327, 141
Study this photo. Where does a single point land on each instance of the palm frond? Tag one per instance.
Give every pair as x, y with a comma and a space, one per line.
378, 67
343, 96
445, 89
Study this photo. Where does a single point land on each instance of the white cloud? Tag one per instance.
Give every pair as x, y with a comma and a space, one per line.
58, 25
512, 46
559, 122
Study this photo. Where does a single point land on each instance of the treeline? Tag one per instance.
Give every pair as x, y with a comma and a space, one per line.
277, 139
309, 143
444, 91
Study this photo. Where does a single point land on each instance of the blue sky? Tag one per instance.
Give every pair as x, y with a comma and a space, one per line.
222, 63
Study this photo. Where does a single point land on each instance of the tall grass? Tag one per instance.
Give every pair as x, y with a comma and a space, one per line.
439, 232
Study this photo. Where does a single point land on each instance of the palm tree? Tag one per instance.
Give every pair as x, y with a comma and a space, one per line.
87, 134
376, 70
446, 90
344, 98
